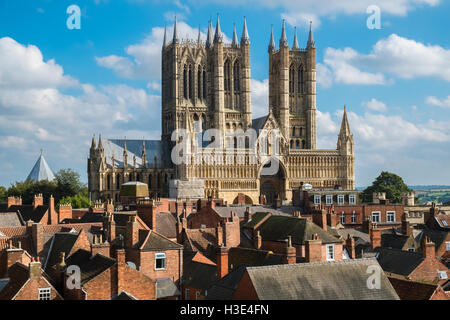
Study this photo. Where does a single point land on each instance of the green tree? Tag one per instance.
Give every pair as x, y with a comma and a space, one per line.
387, 182
27, 190
3, 194
68, 183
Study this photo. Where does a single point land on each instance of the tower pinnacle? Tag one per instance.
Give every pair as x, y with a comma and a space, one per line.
245, 38
295, 44
283, 40
272, 41
218, 37
311, 43
175, 32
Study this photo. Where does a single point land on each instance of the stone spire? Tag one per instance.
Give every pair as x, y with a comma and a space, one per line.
218, 37
283, 40
165, 38
235, 40
272, 41
198, 39
175, 32
209, 39
125, 153
245, 38
144, 154
295, 44
93, 144
345, 126
311, 43
100, 144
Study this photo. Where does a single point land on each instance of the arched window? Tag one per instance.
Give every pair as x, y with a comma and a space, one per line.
185, 82
131, 177
303, 144
191, 83
118, 181
204, 84
236, 74
300, 80
291, 79
108, 182
293, 131
199, 83
297, 144
292, 144
149, 181
138, 177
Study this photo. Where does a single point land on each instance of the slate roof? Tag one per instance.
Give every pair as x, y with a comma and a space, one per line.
332, 280
258, 123
10, 219
134, 148
152, 241
41, 171
166, 288
28, 212
443, 221
123, 295
61, 242
398, 261
251, 257
201, 240
278, 228
18, 275
436, 236
412, 290
94, 266
224, 288
225, 211
166, 224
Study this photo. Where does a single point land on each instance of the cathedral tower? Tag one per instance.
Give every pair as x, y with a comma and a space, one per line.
292, 89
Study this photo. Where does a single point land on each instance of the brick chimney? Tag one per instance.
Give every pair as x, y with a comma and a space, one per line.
13, 255
38, 200
219, 235
65, 212
406, 228
429, 250
375, 236
37, 234
350, 244
257, 240
320, 218
132, 232
211, 204
110, 206
110, 225
222, 262
100, 246
313, 249
434, 210
34, 268
120, 260
52, 215
290, 257
12, 201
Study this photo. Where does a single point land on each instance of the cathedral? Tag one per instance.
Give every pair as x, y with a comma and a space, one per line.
206, 85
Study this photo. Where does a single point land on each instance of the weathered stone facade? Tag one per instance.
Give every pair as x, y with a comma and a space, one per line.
206, 85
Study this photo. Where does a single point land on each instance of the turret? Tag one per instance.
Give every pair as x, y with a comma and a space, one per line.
209, 39
311, 43
144, 155
295, 43
175, 32
245, 39
125, 154
218, 36
271, 42
310, 91
345, 138
234, 43
165, 38
246, 76
284, 83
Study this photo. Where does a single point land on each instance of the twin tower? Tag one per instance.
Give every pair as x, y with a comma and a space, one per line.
209, 81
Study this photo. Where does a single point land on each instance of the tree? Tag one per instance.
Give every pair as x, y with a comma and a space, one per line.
27, 190
68, 182
3, 194
387, 182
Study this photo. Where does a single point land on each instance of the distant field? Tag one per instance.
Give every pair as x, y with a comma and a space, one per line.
433, 193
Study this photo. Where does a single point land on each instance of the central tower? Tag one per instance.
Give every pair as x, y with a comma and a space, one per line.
292, 89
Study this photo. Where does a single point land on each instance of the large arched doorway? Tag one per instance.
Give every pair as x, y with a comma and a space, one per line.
272, 185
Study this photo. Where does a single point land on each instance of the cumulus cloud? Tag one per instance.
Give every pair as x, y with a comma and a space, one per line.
389, 142
444, 103
260, 97
395, 56
38, 111
375, 105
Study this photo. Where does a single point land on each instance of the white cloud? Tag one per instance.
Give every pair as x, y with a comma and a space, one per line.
444, 103
260, 97
333, 8
400, 57
38, 112
144, 61
301, 19
375, 105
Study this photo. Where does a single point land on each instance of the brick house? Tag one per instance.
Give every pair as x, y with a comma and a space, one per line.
413, 290
28, 283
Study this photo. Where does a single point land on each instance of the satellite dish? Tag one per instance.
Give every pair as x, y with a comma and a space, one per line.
131, 264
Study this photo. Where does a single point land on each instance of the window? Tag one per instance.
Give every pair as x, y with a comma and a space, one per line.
291, 80
353, 217
185, 94
237, 84
199, 83
317, 199
204, 84
343, 218
160, 261
447, 245
44, 293
352, 199
197, 295
442, 275
444, 223
390, 216
376, 217
187, 294
329, 199
411, 249
300, 80
341, 199
330, 252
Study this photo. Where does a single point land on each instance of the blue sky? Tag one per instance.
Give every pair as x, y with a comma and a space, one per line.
60, 86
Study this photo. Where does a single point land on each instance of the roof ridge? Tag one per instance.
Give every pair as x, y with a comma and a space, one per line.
306, 264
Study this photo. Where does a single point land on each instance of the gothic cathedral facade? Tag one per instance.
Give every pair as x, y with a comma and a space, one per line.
205, 85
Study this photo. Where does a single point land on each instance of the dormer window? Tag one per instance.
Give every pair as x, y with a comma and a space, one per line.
341, 199
352, 199
45, 293
317, 199
329, 199
330, 252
